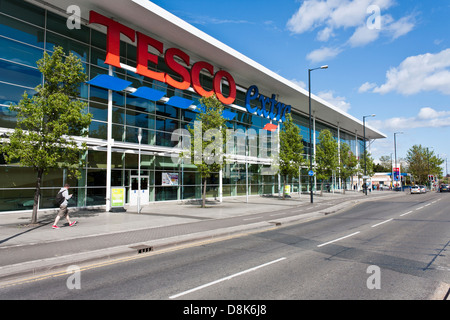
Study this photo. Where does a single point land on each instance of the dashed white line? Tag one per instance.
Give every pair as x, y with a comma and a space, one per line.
419, 208
405, 213
350, 235
226, 278
252, 218
375, 225
278, 214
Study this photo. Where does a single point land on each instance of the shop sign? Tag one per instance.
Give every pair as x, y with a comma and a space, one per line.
268, 107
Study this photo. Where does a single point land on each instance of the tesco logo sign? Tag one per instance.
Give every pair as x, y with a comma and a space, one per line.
115, 29
190, 78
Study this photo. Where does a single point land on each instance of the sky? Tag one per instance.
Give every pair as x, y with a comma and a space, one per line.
390, 58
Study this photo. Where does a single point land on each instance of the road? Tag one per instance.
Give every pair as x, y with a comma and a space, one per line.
386, 249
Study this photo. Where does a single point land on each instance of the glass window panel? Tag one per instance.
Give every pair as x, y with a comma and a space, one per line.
98, 130
165, 163
96, 177
166, 193
18, 74
167, 111
140, 104
17, 177
98, 58
118, 133
78, 49
96, 159
20, 31
23, 11
138, 119
20, 53
95, 196
8, 118
59, 25
12, 94
101, 95
98, 39
99, 111
18, 199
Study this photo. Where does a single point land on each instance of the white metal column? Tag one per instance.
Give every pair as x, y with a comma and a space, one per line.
109, 146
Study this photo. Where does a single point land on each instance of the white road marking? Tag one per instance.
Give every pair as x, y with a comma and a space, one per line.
252, 218
324, 244
375, 225
405, 213
419, 208
226, 278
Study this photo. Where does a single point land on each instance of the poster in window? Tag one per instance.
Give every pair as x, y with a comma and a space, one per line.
169, 179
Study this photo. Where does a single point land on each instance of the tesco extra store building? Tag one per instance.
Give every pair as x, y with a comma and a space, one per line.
147, 69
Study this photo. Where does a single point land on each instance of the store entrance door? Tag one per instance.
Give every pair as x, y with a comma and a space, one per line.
135, 189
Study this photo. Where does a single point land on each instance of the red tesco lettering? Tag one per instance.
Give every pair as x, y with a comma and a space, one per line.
115, 29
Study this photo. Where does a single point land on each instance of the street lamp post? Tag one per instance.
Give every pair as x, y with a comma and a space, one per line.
365, 158
139, 172
310, 133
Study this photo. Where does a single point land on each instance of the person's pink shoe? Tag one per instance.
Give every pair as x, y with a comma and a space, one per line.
73, 223
55, 227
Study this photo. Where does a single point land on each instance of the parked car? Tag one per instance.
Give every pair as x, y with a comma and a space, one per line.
415, 189
444, 188
423, 189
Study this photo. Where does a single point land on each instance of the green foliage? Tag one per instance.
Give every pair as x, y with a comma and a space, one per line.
422, 161
46, 121
369, 162
327, 160
291, 149
207, 149
348, 162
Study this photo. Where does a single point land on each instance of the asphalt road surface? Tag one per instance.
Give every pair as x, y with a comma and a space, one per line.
385, 249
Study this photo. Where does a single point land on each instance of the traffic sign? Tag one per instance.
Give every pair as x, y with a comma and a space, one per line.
311, 173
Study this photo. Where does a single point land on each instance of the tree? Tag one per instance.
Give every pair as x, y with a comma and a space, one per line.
366, 164
207, 153
291, 149
47, 121
347, 163
326, 156
384, 165
422, 161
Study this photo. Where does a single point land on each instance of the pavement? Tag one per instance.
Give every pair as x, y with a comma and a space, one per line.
30, 251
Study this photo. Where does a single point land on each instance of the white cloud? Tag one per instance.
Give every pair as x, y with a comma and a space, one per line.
331, 15
426, 118
400, 27
325, 34
426, 72
300, 83
367, 86
338, 102
363, 36
323, 54
310, 14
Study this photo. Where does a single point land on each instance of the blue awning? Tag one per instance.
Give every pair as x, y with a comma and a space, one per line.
109, 82
229, 115
148, 93
179, 102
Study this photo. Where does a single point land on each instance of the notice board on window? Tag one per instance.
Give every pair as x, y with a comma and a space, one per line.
169, 179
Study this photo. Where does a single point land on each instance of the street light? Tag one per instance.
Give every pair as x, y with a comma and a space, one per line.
310, 134
139, 172
365, 158
395, 151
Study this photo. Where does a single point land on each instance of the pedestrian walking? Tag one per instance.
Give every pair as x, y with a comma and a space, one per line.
63, 199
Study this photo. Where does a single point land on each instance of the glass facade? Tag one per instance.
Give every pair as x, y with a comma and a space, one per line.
27, 31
